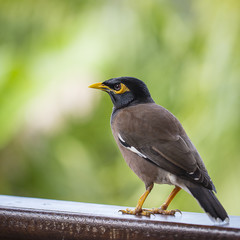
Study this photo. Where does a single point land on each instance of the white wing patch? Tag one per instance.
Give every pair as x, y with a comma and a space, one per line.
119, 136
131, 148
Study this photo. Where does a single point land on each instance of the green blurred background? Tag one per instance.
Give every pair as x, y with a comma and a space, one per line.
55, 137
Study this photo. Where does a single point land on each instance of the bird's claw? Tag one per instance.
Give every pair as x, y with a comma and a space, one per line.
163, 211
148, 212
141, 212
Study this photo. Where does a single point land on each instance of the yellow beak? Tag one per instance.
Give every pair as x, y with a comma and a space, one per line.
100, 86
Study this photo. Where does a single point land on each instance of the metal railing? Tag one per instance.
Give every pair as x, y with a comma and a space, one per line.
31, 218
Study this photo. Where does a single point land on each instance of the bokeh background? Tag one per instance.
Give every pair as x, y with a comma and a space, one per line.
55, 137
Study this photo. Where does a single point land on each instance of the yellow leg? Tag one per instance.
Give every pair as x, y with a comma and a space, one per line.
163, 209
170, 197
138, 210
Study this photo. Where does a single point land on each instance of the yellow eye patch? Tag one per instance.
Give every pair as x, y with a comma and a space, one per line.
123, 89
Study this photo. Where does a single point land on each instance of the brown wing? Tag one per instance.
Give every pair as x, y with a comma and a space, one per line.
161, 139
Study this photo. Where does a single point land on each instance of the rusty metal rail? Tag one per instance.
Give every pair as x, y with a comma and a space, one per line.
31, 218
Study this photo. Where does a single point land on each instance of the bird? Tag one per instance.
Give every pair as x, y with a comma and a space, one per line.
156, 147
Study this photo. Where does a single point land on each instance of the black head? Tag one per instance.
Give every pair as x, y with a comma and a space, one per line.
125, 91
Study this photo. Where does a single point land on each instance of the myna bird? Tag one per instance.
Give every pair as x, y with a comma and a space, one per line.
157, 148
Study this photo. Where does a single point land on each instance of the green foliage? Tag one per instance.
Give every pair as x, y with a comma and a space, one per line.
55, 137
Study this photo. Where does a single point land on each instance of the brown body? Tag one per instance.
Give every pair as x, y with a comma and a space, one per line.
135, 123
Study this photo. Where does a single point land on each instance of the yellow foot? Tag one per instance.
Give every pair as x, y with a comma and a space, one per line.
162, 211
136, 212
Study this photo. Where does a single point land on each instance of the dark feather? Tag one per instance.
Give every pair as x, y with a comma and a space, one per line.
209, 202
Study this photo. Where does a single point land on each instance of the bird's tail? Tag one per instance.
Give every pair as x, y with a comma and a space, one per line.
209, 202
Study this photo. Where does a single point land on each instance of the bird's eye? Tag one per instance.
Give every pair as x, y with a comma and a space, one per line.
117, 86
